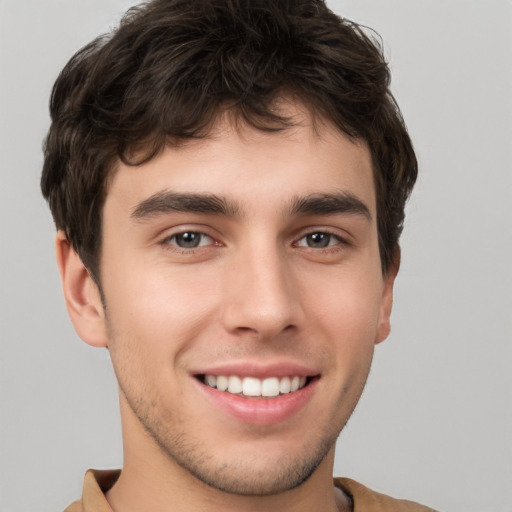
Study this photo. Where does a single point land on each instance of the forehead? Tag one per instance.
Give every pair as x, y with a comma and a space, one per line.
250, 165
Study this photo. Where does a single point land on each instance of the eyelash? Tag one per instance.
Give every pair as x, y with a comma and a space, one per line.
168, 244
340, 242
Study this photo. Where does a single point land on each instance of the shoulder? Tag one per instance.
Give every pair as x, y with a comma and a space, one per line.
74, 507
366, 500
96, 484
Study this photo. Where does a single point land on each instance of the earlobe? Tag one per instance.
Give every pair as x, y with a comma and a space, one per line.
83, 299
384, 327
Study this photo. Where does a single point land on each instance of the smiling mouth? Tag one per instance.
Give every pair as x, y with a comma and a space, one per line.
253, 387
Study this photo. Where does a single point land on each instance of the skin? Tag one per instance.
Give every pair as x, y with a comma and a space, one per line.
257, 290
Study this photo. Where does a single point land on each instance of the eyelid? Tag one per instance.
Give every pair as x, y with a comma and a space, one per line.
343, 237
338, 240
169, 234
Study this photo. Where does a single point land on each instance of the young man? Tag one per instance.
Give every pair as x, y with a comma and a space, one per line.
228, 180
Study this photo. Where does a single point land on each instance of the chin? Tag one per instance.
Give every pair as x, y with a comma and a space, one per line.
254, 477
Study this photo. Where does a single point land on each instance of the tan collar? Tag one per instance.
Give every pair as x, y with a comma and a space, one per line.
98, 482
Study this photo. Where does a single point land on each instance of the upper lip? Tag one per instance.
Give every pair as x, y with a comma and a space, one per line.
258, 370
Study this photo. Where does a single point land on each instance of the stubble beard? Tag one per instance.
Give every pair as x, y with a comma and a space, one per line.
239, 477
243, 477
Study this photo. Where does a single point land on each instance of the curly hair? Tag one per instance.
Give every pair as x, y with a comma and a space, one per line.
173, 66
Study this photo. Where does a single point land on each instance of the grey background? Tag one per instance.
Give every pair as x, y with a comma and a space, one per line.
435, 421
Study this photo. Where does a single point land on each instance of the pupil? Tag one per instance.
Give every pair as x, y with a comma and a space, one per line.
318, 240
188, 240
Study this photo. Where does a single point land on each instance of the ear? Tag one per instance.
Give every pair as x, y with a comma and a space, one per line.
384, 325
83, 299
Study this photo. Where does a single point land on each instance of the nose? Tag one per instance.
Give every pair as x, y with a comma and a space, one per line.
261, 296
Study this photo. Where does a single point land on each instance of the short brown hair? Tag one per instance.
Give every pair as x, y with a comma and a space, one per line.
173, 66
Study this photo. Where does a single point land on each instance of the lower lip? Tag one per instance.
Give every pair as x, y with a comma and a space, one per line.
260, 411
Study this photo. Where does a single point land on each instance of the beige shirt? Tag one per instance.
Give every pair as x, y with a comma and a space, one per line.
97, 482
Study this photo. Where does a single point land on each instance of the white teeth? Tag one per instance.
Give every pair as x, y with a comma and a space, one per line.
270, 387
222, 383
285, 385
252, 386
234, 385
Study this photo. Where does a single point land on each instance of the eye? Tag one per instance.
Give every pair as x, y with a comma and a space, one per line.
189, 240
319, 240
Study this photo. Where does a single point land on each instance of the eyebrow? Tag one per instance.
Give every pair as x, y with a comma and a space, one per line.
330, 204
315, 204
167, 201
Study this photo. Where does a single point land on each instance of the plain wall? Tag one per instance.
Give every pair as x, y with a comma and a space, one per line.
435, 421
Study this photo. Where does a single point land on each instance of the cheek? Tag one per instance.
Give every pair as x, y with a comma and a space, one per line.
348, 306
159, 310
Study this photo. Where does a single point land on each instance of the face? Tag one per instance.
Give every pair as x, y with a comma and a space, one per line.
243, 297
